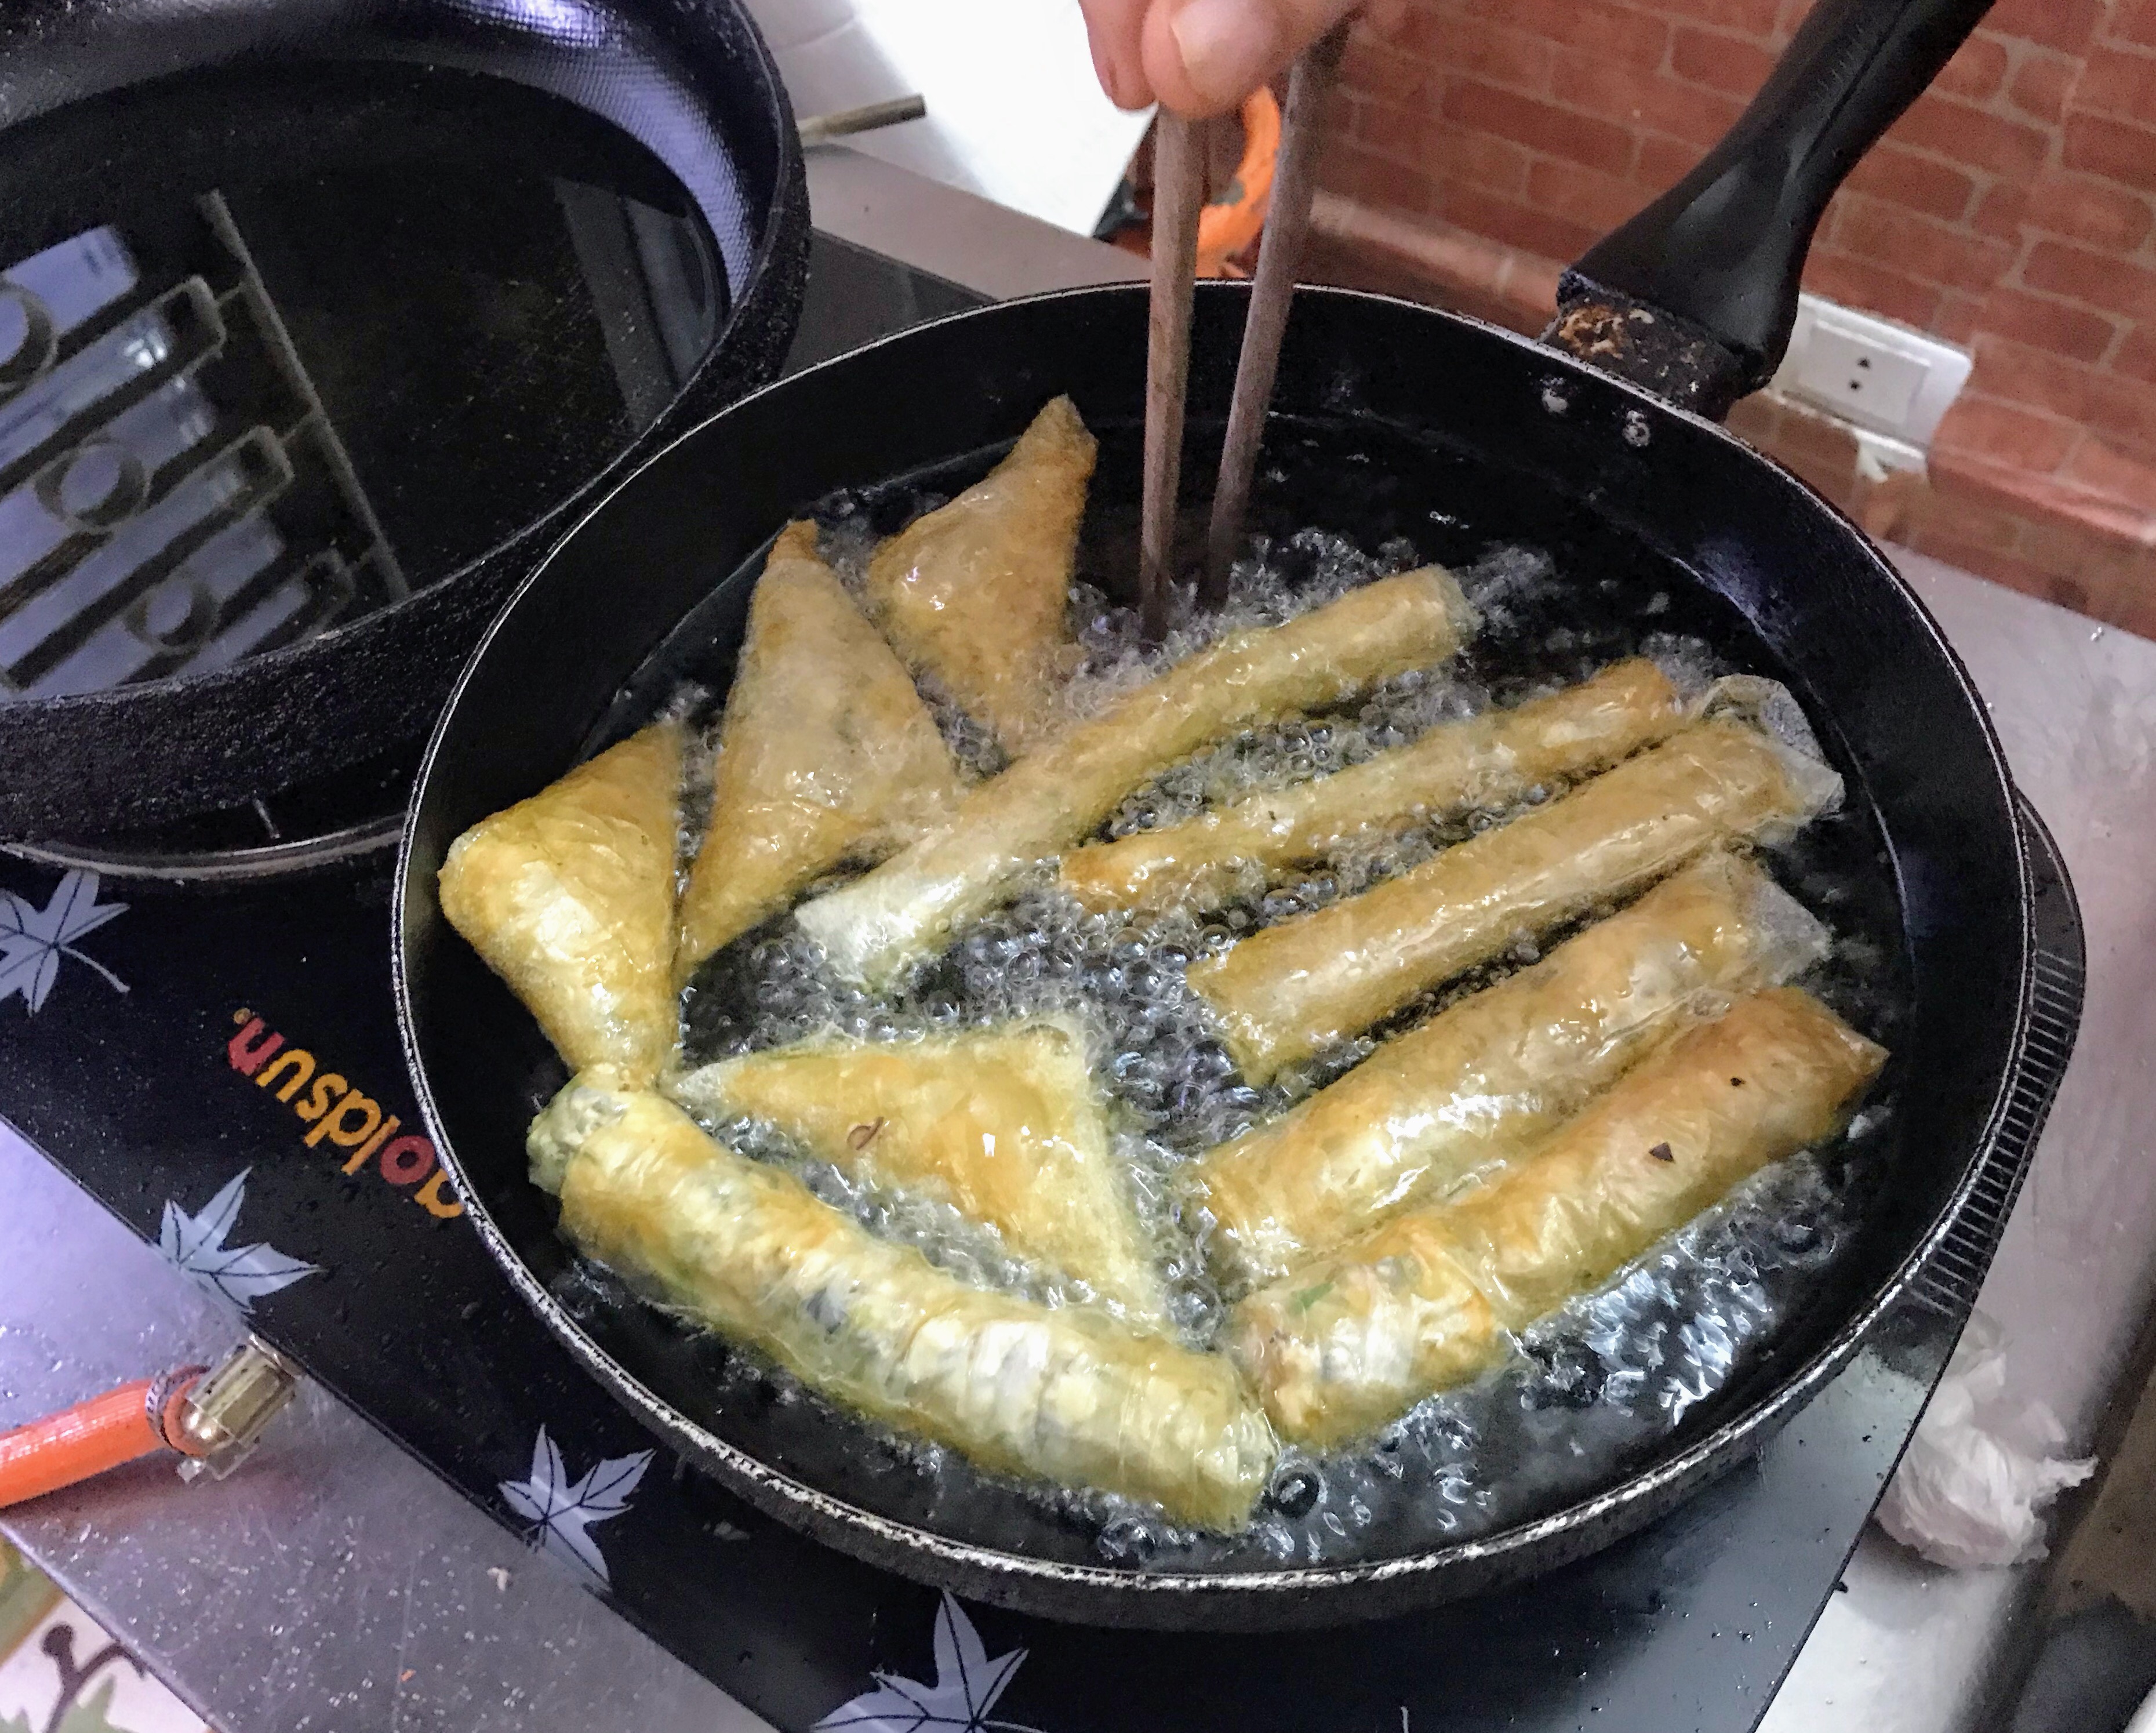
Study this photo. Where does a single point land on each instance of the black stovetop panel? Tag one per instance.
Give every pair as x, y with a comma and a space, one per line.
138, 1059
144, 1097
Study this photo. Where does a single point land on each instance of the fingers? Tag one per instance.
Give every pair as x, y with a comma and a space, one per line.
1202, 56
1114, 27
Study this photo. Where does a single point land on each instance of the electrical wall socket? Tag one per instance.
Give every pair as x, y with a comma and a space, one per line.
1870, 371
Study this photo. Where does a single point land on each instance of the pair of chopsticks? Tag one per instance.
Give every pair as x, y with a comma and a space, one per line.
1178, 195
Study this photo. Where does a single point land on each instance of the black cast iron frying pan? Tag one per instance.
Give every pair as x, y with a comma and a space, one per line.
1384, 413
690, 81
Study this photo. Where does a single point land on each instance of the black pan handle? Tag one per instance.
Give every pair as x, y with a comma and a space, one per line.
1695, 297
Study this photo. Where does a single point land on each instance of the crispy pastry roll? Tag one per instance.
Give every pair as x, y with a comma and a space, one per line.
1347, 1342
1298, 987
1486, 761
1065, 1394
1004, 1124
826, 754
913, 904
1496, 1072
976, 592
569, 897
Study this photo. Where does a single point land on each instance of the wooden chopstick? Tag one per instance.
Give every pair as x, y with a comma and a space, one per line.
1280, 256
871, 117
1178, 196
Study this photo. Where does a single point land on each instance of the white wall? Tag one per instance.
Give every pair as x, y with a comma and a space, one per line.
1015, 111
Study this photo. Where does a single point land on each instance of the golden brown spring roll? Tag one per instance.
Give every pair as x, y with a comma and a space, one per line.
1486, 761
1491, 1074
1004, 1124
826, 754
569, 897
1299, 988
1065, 1394
976, 592
914, 902
1346, 1342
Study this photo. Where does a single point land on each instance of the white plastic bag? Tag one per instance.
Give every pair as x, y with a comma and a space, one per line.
1973, 1485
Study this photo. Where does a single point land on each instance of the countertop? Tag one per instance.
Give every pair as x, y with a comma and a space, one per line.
1912, 1649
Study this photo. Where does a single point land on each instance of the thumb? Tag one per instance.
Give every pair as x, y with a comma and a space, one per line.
1202, 56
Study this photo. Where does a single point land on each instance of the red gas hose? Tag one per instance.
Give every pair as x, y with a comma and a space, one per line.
211, 1417
101, 1434
1229, 225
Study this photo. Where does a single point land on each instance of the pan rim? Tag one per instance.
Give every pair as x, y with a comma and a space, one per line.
1612, 1512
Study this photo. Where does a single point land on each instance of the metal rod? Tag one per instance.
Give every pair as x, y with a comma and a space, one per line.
278, 339
817, 128
1280, 256
1178, 195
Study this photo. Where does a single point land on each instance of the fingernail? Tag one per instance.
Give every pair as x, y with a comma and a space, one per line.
1228, 46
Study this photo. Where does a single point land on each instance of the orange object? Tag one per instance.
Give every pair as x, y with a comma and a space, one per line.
101, 1434
1228, 226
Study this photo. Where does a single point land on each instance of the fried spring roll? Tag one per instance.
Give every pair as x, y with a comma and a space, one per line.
1345, 1343
914, 903
1487, 760
976, 592
569, 897
1004, 1124
1491, 1074
1067, 1394
826, 754
1296, 989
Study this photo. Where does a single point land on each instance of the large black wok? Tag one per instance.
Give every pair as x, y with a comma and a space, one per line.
1385, 414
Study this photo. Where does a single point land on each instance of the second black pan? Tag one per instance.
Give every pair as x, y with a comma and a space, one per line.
1392, 422
276, 95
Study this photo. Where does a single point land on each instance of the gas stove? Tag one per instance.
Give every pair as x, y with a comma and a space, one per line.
173, 1005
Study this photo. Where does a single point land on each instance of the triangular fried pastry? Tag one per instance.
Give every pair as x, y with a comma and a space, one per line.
569, 897
826, 754
975, 594
1003, 1123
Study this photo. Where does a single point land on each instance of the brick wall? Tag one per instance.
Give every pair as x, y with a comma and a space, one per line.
2009, 211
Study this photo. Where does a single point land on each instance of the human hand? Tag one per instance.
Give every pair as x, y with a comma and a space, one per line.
1204, 57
